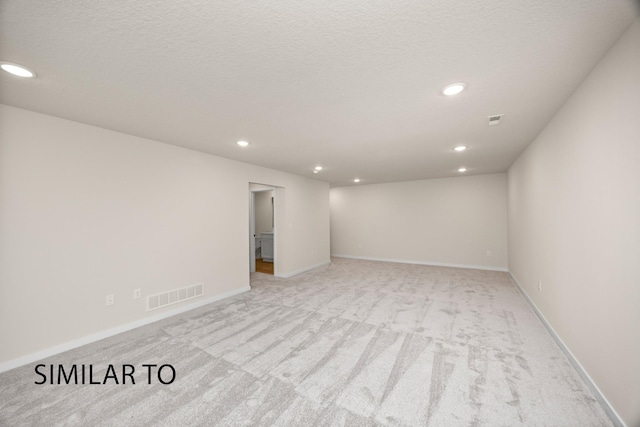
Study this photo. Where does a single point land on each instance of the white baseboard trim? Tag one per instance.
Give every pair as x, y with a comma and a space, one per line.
303, 270
436, 264
51, 351
608, 408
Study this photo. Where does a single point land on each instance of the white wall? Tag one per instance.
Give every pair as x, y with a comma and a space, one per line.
263, 212
86, 212
574, 224
451, 221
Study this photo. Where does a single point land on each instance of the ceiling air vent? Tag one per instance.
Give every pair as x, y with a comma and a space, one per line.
495, 119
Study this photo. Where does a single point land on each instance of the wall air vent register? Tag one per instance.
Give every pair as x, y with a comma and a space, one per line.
172, 297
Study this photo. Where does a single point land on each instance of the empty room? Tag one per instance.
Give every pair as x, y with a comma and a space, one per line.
315, 213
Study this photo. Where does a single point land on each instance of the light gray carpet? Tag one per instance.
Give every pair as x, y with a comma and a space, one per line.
356, 343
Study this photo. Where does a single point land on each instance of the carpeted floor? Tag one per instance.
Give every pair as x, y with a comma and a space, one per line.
357, 343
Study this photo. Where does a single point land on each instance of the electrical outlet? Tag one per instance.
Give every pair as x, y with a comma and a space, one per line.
136, 293
540, 285
110, 299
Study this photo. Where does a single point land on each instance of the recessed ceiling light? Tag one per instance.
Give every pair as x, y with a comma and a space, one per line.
356, 180
460, 148
453, 89
242, 143
318, 168
462, 170
17, 70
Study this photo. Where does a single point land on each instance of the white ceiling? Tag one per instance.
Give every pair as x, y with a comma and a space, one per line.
351, 85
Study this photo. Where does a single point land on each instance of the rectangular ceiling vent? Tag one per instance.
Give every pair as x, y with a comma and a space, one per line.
175, 296
495, 119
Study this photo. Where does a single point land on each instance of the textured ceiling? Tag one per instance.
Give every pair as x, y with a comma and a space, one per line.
351, 85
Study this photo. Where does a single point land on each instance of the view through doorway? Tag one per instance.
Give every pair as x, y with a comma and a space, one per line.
262, 228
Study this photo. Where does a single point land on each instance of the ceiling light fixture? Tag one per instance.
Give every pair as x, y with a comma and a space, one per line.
356, 180
315, 171
318, 168
242, 143
461, 170
460, 148
453, 89
17, 70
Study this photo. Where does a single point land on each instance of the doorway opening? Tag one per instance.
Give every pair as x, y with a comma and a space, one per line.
262, 229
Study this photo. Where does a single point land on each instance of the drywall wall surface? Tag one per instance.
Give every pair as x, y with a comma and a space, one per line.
264, 211
574, 224
86, 212
451, 221
259, 187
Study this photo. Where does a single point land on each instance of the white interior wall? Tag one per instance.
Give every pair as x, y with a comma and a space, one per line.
574, 224
263, 212
87, 212
259, 187
450, 221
